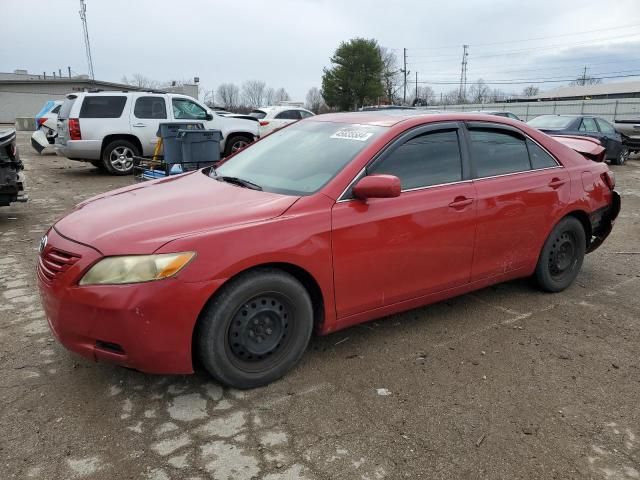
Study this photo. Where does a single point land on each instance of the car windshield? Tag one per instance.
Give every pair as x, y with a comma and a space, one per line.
300, 159
551, 122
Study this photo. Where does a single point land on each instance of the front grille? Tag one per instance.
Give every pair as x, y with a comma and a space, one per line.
53, 262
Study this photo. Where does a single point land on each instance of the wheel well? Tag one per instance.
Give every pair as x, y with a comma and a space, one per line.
300, 274
120, 136
586, 223
241, 134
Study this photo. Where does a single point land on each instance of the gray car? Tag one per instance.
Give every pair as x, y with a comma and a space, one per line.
629, 128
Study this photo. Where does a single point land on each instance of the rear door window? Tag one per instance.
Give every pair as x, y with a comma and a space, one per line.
103, 106
259, 114
498, 152
588, 125
289, 115
432, 158
150, 107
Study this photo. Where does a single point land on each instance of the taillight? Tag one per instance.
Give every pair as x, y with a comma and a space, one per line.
41, 121
609, 178
74, 129
263, 123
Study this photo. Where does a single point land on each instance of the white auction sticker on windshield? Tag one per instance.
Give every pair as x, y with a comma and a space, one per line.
353, 133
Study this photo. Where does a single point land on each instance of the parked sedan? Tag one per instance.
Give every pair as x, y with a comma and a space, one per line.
586, 126
333, 221
274, 118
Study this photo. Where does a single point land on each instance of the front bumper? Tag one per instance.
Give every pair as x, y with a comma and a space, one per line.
146, 326
602, 221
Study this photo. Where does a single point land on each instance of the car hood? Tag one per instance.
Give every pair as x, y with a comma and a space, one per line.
141, 218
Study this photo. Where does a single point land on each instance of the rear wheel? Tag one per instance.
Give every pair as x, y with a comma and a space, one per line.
622, 156
235, 143
562, 256
118, 157
256, 329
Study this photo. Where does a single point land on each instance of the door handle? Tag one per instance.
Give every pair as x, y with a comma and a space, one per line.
556, 183
460, 202
139, 125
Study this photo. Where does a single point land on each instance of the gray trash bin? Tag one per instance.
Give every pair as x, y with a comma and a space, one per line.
168, 131
200, 148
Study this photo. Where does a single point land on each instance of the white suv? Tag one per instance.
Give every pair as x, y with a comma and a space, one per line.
109, 128
273, 118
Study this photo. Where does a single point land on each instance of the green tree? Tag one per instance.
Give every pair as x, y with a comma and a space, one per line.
356, 74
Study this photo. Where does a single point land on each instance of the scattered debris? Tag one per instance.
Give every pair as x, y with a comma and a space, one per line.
383, 392
615, 365
481, 439
341, 341
564, 356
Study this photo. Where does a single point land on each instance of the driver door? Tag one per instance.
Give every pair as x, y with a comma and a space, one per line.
388, 250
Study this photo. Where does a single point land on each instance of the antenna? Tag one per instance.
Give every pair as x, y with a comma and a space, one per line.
462, 95
87, 45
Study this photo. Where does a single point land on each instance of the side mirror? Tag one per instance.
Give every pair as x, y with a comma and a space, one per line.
209, 116
377, 186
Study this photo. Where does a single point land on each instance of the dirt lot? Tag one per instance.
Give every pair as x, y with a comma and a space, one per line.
505, 383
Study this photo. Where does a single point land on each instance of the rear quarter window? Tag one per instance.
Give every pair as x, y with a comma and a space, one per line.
103, 106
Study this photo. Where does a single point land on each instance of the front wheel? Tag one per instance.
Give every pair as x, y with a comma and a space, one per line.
562, 255
118, 157
256, 329
236, 143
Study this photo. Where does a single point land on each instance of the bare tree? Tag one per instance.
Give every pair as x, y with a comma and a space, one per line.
391, 75
479, 91
228, 95
281, 95
425, 97
139, 80
269, 96
314, 100
530, 91
253, 93
452, 97
586, 80
209, 98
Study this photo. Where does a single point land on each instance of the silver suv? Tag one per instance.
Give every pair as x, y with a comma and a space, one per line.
109, 128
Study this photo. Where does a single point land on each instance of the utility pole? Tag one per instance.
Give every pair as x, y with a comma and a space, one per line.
404, 71
416, 87
87, 45
69, 70
463, 74
584, 76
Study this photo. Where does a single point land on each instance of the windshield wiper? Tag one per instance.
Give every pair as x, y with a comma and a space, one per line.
238, 181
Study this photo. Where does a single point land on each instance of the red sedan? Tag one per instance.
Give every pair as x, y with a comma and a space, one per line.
330, 222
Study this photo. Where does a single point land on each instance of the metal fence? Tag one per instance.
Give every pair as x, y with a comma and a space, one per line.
608, 109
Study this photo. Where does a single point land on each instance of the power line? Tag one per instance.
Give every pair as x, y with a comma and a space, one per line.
523, 82
619, 27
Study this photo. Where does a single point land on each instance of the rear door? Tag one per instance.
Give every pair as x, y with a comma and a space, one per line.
146, 115
388, 250
520, 187
612, 139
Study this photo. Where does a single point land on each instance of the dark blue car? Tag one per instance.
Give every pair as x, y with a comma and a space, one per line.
585, 126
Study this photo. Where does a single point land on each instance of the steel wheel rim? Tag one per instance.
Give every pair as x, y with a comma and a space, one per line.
563, 256
121, 158
623, 155
259, 332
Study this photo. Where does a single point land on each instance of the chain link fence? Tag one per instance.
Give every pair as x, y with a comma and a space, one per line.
607, 109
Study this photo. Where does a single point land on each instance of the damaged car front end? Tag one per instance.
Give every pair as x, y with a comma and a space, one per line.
12, 181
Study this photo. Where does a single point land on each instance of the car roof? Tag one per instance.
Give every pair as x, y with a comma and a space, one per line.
389, 118
277, 108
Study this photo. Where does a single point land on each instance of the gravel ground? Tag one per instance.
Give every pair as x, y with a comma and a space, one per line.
504, 383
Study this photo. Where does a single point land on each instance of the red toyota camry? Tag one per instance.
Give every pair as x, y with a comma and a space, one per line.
332, 221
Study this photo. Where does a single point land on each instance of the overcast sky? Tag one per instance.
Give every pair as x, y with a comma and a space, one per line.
287, 43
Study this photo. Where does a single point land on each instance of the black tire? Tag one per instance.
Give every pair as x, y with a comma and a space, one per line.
117, 157
99, 164
622, 157
235, 143
256, 329
562, 256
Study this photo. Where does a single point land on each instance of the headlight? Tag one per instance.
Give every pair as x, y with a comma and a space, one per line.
136, 268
